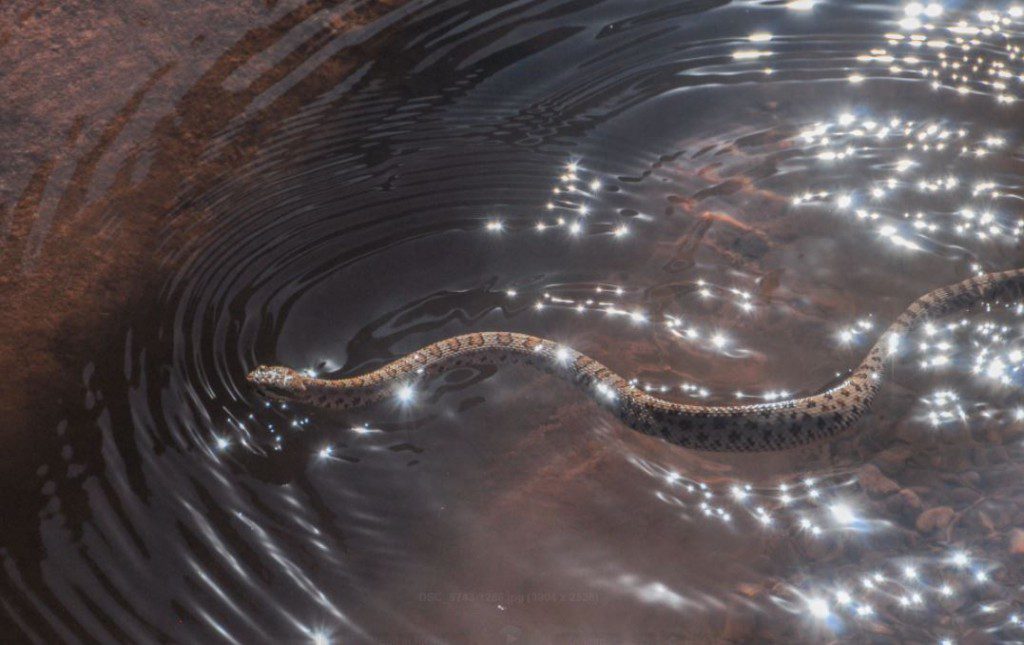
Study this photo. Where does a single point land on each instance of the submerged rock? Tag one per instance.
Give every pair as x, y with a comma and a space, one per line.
905, 503
894, 459
935, 519
874, 482
1016, 541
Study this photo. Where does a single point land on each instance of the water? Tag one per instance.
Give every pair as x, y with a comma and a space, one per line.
747, 193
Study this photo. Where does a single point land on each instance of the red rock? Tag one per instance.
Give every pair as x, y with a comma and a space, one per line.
893, 459
1016, 541
906, 502
874, 482
934, 519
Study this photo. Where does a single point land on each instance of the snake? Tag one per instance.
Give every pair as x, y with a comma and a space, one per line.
756, 427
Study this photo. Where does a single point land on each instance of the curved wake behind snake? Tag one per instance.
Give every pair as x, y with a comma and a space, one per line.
740, 428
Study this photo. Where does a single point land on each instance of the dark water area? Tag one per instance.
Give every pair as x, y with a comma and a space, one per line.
725, 201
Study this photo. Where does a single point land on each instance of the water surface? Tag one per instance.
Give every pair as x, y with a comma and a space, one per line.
725, 201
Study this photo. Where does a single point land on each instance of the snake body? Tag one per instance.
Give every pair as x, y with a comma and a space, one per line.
739, 428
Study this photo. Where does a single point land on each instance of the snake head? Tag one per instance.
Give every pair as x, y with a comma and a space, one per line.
277, 382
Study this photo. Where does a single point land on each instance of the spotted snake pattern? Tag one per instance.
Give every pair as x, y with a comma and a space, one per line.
735, 428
